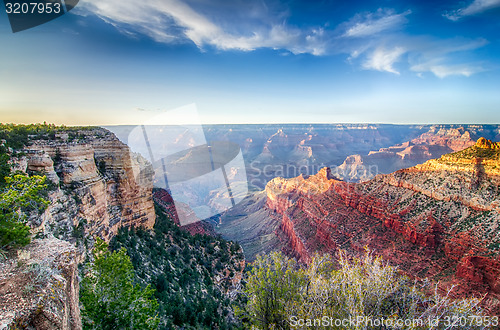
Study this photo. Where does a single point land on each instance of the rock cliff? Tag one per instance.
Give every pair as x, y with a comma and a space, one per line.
39, 289
97, 182
437, 141
439, 220
166, 202
95, 186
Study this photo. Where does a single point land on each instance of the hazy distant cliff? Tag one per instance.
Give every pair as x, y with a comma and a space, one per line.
437, 141
438, 220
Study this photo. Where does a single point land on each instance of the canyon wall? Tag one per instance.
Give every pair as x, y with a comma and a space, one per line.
39, 289
98, 183
437, 141
95, 186
439, 220
164, 200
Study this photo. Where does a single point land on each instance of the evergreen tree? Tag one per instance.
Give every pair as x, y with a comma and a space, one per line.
22, 194
109, 297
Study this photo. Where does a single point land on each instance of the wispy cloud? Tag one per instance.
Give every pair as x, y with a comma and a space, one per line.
383, 59
373, 40
442, 70
476, 7
368, 24
172, 21
442, 57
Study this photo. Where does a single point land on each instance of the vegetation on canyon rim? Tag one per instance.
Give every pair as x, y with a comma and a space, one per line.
191, 273
109, 297
20, 194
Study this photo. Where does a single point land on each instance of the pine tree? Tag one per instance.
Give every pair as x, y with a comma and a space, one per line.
109, 297
21, 195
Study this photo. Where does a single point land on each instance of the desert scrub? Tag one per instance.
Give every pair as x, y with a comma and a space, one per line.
278, 291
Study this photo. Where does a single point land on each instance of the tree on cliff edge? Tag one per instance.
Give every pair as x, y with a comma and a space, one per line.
20, 195
110, 299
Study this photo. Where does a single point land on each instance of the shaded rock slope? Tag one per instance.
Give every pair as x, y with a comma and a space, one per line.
39, 289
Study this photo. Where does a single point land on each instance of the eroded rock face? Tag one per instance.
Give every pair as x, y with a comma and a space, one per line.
103, 184
96, 186
439, 220
39, 289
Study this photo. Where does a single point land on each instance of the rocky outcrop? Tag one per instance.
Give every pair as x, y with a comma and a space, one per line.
102, 184
39, 289
438, 220
95, 186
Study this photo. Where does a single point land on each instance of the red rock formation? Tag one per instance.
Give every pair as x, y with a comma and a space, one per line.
164, 199
432, 144
429, 220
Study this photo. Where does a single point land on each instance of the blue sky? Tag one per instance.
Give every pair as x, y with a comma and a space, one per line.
265, 61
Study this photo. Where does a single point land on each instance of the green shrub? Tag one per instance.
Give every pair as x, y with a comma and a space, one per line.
279, 294
110, 299
22, 195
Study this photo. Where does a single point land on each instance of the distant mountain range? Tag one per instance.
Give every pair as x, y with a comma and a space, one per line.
355, 152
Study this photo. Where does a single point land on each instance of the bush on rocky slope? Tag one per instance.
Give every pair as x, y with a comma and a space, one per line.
282, 295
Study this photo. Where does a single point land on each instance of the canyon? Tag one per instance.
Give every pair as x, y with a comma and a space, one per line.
437, 221
355, 152
98, 187
98, 182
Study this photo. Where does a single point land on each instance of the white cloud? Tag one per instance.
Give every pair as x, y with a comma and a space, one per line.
476, 7
383, 60
367, 39
442, 57
175, 21
372, 23
443, 70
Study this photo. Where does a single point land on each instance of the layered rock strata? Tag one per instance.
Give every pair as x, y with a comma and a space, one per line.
439, 220
102, 184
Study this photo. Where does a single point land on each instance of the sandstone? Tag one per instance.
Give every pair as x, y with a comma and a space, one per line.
39, 289
431, 144
111, 186
98, 186
166, 202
